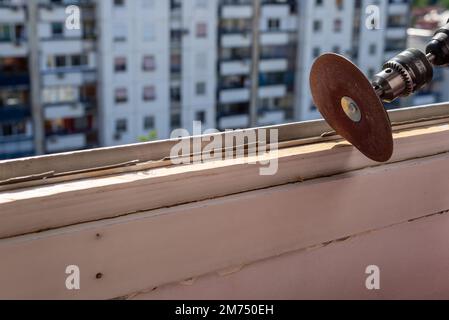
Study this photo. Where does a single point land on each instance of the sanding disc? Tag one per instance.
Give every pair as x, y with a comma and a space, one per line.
348, 102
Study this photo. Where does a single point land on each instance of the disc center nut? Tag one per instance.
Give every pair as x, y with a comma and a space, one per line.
351, 109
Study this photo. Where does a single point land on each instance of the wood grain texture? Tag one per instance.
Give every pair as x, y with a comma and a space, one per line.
413, 260
164, 246
34, 209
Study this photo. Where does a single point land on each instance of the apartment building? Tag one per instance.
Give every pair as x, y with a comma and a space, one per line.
16, 133
48, 92
133, 73
369, 32
418, 37
265, 68
67, 65
136, 70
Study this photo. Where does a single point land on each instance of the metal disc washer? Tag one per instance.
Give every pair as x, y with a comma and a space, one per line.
350, 105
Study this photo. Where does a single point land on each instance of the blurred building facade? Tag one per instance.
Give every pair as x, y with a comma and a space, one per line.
138, 69
426, 21
49, 88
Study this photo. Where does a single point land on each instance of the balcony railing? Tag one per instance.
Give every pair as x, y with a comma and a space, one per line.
11, 113
14, 79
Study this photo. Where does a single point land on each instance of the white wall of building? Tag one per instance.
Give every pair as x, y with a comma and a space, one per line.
371, 46
199, 60
145, 26
325, 39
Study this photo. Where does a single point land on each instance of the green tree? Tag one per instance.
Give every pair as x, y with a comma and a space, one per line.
150, 137
424, 3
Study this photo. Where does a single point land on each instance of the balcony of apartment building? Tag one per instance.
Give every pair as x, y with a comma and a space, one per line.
14, 104
234, 89
69, 101
233, 115
399, 7
236, 9
242, 37
393, 47
275, 38
275, 110
235, 32
74, 69
397, 25
14, 72
176, 6
15, 123
276, 84
53, 17
139, 227
270, 116
16, 138
12, 11
13, 42
68, 134
235, 61
69, 54
275, 58
236, 40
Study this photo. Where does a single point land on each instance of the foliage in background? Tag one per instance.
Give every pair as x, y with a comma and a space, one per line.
150, 137
424, 3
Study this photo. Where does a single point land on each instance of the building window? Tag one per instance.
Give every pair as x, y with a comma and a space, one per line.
148, 4
274, 24
316, 52
202, 4
119, 3
121, 95
317, 25
372, 49
5, 33
121, 125
120, 64
120, 32
337, 25
200, 88
336, 49
60, 61
149, 33
57, 29
75, 60
148, 123
149, 93
339, 4
201, 30
175, 94
60, 94
175, 121
13, 128
200, 116
149, 63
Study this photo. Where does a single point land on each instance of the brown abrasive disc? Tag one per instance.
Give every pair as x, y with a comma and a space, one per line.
348, 102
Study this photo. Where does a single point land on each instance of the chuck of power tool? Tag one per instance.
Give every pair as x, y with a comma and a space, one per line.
411, 70
438, 48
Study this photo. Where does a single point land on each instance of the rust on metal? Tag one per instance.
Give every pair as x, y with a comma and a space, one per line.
333, 77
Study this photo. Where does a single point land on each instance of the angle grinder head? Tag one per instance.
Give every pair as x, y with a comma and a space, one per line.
350, 105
